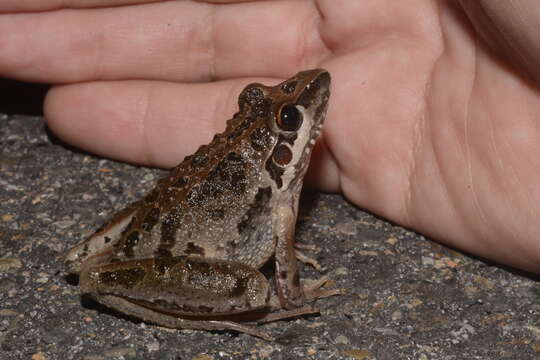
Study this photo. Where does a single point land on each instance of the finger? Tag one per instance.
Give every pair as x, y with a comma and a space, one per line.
44, 5
177, 40
147, 122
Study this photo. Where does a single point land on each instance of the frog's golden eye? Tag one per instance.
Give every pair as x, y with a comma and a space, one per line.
289, 118
282, 155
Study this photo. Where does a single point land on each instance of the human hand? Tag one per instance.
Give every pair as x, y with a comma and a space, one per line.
427, 126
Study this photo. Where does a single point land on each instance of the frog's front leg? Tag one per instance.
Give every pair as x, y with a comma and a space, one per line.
180, 292
290, 292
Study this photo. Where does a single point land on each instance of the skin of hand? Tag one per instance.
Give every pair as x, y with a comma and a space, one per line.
434, 115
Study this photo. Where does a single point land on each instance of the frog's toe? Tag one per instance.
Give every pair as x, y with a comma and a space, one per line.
313, 290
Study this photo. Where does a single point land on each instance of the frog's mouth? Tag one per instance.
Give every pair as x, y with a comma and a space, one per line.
314, 99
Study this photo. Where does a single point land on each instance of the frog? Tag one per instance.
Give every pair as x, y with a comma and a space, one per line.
189, 254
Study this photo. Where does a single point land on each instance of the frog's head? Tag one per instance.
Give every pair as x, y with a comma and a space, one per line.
293, 114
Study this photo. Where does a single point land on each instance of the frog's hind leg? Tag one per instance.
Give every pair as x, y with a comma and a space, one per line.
312, 291
287, 314
174, 322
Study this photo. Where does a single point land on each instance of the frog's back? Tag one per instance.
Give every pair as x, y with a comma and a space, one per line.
215, 204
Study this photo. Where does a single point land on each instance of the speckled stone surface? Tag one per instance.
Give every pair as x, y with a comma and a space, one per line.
407, 297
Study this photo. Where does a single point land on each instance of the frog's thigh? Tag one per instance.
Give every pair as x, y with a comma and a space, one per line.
180, 285
169, 321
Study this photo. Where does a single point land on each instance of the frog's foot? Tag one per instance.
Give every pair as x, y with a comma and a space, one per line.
307, 260
310, 247
174, 322
287, 314
313, 291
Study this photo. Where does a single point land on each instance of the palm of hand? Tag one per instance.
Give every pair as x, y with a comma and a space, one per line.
429, 129
426, 126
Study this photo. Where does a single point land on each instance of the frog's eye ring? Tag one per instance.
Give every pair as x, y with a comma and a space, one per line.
289, 118
282, 155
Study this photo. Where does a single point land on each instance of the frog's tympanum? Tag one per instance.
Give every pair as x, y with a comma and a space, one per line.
188, 255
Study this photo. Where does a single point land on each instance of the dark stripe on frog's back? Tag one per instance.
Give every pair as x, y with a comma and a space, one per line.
194, 168
229, 176
137, 229
169, 226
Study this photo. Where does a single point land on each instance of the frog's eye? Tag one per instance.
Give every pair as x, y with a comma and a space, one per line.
289, 118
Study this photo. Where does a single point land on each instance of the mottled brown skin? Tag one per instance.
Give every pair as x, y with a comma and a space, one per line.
217, 218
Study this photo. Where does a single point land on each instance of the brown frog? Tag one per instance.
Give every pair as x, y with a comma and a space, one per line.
188, 255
